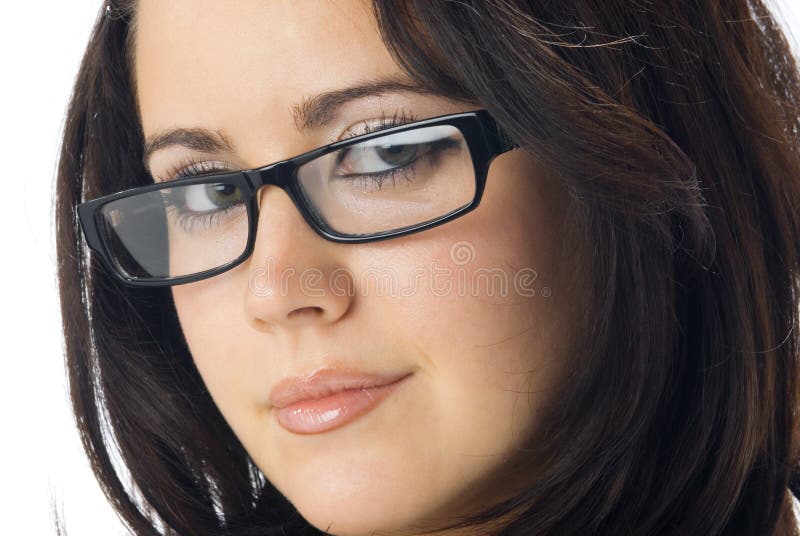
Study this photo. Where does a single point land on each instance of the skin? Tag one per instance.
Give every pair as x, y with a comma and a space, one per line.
484, 366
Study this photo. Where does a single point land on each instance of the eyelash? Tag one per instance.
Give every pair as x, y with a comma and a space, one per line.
193, 168
384, 122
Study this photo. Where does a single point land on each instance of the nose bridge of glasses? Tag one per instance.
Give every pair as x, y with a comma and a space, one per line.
277, 174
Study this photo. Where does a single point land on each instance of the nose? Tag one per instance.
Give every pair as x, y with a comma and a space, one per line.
296, 278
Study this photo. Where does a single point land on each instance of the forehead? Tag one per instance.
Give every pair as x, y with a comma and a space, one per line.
206, 61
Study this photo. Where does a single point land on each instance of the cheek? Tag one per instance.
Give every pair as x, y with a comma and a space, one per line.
488, 359
489, 347
484, 314
210, 314
493, 294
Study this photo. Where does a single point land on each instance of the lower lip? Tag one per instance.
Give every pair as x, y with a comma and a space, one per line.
337, 410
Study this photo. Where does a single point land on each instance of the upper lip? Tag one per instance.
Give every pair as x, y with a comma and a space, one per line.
325, 382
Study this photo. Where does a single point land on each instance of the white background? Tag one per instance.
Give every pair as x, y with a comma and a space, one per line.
41, 460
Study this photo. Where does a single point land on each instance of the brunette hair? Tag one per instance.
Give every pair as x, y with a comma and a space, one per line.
673, 125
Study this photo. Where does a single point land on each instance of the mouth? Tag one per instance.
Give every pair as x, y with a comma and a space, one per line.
330, 400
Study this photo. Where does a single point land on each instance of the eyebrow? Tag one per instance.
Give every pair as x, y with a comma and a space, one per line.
312, 112
197, 139
321, 109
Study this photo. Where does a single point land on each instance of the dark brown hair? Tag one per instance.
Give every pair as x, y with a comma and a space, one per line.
674, 127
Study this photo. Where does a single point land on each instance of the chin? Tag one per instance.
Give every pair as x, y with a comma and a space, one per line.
355, 520
360, 512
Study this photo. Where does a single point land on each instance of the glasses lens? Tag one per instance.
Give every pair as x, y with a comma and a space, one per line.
176, 231
390, 182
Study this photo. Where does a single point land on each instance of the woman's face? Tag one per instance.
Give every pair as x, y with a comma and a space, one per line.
480, 359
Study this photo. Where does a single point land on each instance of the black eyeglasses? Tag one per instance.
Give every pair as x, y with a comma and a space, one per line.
384, 184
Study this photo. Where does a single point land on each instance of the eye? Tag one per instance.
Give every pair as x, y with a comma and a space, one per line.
370, 160
395, 151
211, 197
203, 207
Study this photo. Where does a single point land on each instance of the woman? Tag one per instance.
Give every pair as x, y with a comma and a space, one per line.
446, 268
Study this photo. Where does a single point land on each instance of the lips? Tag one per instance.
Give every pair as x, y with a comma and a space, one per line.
323, 383
329, 398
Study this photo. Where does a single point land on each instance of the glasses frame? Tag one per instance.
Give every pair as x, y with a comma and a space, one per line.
482, 134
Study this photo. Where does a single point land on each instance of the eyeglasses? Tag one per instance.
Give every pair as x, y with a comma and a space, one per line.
384, 184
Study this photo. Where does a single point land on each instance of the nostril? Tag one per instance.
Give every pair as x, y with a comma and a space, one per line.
304, 311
